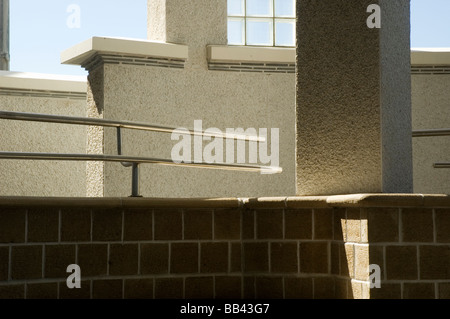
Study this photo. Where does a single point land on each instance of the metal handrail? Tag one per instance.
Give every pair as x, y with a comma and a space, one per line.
434, 133
60, 119
127, 160
132, 159
431, 132
441, 165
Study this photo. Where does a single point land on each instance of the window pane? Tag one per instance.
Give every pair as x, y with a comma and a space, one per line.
259, 8
236, 31
260, 32
285, 32
285, 8
236, 8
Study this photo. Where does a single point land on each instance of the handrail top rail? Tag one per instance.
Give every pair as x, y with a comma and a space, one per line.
62, 119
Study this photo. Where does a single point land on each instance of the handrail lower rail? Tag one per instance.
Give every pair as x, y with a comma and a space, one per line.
133, 159
441, 165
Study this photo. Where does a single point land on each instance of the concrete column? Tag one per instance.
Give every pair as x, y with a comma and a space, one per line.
4, 35
353, 97
196, 23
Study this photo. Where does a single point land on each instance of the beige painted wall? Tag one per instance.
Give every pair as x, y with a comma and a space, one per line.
41, 178
431, 110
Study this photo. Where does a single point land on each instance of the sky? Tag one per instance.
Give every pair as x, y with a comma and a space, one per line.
41, 30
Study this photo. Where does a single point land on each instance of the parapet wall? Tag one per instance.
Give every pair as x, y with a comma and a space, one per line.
47, 94
292, 248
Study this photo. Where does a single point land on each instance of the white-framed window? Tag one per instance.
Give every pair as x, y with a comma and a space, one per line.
261, 22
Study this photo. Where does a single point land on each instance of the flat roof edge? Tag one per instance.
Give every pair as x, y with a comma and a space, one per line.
42, 82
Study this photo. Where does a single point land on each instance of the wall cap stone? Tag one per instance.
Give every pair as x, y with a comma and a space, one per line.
83, 52
125, 203
42, 82
228, 53
430, 56
376, 200
352, 200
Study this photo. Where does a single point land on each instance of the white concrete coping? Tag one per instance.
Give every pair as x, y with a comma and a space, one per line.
84, 51
228, 53
42, 82
224, 53
430, 56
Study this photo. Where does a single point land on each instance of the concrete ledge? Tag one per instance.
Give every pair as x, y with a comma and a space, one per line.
42, 82
287, 202
430, 56
250, 54
376, 200
224, 53
354, 200
85, 51
120, 202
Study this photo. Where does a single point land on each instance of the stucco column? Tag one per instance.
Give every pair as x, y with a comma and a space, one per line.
197, 23
353, 97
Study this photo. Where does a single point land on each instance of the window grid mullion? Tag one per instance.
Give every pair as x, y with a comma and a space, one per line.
273, 23
274, 18
245, 21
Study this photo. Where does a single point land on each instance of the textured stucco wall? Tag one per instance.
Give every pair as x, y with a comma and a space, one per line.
95, 134
353, 98
431, 110
156, 24
177, 98
42, 178
193, 22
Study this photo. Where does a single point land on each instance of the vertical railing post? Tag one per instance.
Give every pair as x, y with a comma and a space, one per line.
119, 140
119, 146
135, 167
135, 181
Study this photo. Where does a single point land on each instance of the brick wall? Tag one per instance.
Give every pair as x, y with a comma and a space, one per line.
310, 247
